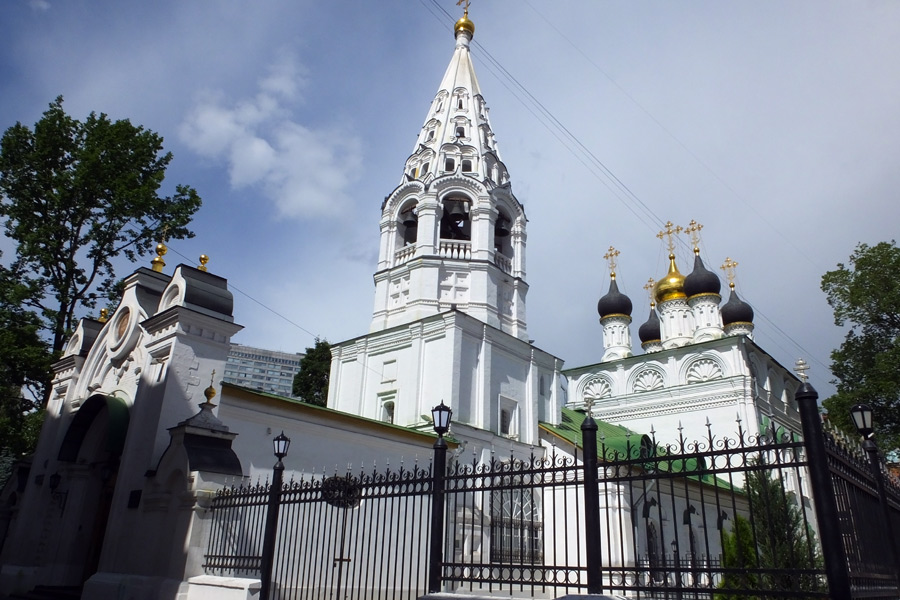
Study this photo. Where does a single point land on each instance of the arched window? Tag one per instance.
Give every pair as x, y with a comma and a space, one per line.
455, 222
460, 131
408, 226
466, 165
516, 524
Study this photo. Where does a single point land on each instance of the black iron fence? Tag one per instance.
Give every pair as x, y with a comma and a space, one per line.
753, 515
341, 536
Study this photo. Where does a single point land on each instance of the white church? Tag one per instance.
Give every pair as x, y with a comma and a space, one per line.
126, 454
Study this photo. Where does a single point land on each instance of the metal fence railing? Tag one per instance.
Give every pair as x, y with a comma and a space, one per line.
774, 514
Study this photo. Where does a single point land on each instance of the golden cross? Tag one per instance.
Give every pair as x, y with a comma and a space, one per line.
610, 257
649, 287
165, 233
693, 231
466, 9
212, 377
669, 232
728, 266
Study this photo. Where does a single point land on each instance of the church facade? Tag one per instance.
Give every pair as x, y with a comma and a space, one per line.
126, 451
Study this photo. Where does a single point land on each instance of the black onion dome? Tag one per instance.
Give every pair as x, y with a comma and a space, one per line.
701, 280
614, 302
736, 310
649, 331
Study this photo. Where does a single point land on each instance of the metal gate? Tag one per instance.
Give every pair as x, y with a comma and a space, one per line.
339, 537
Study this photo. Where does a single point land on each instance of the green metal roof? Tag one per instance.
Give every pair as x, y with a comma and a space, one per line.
618, 443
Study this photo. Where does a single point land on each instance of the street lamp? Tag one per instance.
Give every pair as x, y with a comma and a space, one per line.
864, 421
862, 418
441, 419
280, 445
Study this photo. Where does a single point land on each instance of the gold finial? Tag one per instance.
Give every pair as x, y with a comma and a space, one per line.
693, 231
728, 266
669, 232
158, 263
464, 24
800, 368
210, 392
610, 257
203, 260
104, 315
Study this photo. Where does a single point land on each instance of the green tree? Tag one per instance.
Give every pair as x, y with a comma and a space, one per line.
772, 545
75, 196
311, 382
865, 295
24, 365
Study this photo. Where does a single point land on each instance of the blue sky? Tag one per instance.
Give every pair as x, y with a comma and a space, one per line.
773, 124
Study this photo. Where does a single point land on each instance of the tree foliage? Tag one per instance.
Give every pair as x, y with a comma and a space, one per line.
865, 296
770, 546
311, 382
76, 195
24, 364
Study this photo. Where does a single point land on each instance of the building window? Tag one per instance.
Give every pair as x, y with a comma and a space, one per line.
466, 166
516, 527
387, 411
460, 132
508, 418
449, 164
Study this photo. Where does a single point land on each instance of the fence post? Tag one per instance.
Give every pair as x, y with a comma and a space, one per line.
875, 465
268, 552
592, 547
436, 545
823, 493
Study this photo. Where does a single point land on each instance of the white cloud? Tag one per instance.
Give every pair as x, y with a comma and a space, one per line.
39, 5
304, 170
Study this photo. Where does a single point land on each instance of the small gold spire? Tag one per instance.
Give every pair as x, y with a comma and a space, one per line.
203, 260
669, 233
210, 392
693, 231
728, 266
104, 315
610, 257
158, 263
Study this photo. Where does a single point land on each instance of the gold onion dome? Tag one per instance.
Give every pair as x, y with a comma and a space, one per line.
464, 24
670, 287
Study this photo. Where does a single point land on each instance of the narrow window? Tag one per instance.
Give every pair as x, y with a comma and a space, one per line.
505, 421
467, 166
440, 105
430, 135
388, 413
449, 164
459, 104
424, 169
460, 132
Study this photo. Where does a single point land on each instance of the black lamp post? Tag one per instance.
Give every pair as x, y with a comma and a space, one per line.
280, 444
865, 424
441, 418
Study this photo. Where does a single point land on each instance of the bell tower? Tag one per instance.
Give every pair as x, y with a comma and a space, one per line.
452, 232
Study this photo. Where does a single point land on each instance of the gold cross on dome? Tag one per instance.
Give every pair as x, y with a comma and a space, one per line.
466, 8
610, 257
669, 233
649, 287
728, 266
693, 231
